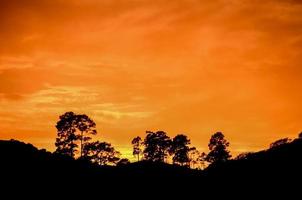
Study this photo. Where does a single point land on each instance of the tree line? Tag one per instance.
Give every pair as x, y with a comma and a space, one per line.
158, 147
74, 133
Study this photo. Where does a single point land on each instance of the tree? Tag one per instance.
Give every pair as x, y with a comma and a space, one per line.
86, 126
66, 134
71, 129
180, 149
137, 144
300, 135
101, 153
280, 142
218, 149
157, 146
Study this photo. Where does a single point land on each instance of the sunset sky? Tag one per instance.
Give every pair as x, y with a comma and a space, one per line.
182, 66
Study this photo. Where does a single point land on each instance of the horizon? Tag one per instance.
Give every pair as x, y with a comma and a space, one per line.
191, 67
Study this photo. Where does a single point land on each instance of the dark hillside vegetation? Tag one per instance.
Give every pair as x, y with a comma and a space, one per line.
277, 167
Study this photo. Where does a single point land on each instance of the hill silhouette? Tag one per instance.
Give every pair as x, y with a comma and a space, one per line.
277, 167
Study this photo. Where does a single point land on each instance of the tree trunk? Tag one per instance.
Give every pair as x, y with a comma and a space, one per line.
81, 144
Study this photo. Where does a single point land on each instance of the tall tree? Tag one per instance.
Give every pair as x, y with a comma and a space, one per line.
180, 148
157, 146
72, 128
102, 153
137, 144
66, 134
86, 127
218, 149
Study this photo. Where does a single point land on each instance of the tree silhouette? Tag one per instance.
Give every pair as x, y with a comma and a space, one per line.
86, 126
218, 149
66, 134
157, 146
280, 142
300, 135
180, 149
137, 144
72, 128
101, 153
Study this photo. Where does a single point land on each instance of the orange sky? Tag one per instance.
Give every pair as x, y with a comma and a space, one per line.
183, 66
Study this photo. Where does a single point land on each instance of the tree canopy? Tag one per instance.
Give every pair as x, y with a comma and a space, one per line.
157, 146
218, 148
102, 153
180, 148
73, 128
66, 134
137, 144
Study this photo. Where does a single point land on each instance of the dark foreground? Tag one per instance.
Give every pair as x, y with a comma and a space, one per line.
276, 171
